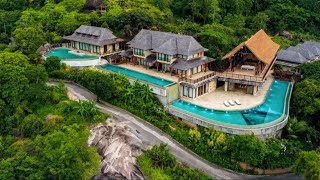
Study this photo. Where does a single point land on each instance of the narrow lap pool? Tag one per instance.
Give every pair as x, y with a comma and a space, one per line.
271, 110
66, 54
137, 75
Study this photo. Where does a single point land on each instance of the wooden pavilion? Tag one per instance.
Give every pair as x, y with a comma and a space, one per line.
250, 62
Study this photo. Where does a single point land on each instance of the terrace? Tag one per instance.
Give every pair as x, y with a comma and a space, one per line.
215, 99
152, 72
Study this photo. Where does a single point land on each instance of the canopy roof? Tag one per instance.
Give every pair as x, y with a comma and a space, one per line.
183, 64
261, 46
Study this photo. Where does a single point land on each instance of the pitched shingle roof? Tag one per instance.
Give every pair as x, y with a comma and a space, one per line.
167, 43
291, 56
260, 45
304, 51
184, 65
92, 35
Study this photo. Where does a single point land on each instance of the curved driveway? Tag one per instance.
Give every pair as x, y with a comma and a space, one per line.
153, 136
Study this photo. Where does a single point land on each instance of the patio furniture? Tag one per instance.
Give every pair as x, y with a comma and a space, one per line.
237, 102
226, 103
231, 103
248, 67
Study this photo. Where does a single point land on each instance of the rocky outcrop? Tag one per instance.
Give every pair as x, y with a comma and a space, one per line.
119, 148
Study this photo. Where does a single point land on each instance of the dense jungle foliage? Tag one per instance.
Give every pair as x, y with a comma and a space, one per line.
43, 135
158, 163
217, 24
29, 143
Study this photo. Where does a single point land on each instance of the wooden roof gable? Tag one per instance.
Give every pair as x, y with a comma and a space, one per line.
260, 45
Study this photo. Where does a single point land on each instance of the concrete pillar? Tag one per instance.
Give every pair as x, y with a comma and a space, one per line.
194, 93
226, 84
231, 86
255, 90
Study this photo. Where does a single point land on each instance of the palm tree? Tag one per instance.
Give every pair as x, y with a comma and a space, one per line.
128, 95
296, 128
300, 129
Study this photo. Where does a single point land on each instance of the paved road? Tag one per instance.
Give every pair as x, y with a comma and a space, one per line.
153, 136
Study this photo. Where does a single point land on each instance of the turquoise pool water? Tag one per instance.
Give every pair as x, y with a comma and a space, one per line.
64, 54
270, 110
137, 75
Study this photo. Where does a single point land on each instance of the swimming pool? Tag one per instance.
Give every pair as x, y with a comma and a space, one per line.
137, 75
271, 110
66, 54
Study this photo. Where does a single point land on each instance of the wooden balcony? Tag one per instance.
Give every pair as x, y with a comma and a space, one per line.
239, 76
112, 52
197, 78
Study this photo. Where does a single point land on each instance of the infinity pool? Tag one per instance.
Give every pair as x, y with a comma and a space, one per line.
272, 109
137, 75
66, 54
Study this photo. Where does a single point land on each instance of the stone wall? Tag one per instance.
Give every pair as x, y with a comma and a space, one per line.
259, 171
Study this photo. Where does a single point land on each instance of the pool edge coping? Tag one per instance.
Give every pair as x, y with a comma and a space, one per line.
244, 127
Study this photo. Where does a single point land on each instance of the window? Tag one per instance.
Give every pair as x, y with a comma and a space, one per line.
73, 44
185, 91
139, 52
164, 57
182, 56
96, 49
190, 92
199, 68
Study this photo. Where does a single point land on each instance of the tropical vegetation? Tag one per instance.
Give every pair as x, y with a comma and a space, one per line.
217, 147
158, 163
43, 135
29, 143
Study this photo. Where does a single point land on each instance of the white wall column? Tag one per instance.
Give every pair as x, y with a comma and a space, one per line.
226, 84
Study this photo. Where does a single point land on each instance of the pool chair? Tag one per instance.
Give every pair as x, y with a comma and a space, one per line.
226, 103
237, 102
231, 103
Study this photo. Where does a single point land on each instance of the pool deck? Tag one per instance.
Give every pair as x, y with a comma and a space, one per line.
151, 72
215, 99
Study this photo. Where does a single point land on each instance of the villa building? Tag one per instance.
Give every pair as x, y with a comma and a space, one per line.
250, 63
296, 55
181, 76
94, 40
180, 55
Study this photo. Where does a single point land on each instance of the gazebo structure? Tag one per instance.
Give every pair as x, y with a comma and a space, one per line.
250, 63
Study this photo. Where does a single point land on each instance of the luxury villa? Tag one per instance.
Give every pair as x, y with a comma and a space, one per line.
302, 53
242, 98
94, 40
180, 55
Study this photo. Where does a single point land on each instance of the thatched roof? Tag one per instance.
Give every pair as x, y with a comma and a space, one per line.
261, 46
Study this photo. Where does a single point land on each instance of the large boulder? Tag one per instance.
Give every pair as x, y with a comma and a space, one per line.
119, 148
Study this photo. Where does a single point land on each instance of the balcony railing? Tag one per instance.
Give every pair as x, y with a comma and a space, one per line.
112, 51
240, 76
195, 81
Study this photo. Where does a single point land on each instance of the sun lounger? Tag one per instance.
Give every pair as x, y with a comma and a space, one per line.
237, 102
226, 103
231, 103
